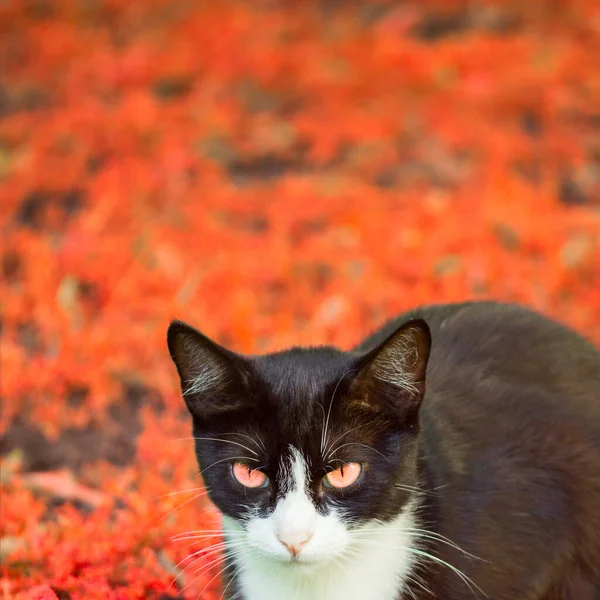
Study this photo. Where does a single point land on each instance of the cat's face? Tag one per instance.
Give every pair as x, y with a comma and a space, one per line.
303, 449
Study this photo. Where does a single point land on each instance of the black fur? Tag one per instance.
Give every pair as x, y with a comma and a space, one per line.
502, 436
271, 402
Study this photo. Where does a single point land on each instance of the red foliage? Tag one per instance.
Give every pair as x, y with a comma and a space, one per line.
42, 592
275, 173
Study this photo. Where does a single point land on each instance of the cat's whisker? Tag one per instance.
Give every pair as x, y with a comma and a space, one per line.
233, 576
425, 534
208, 532
431, 535
344, 557
201, 531
407, 589
211, 580
218, 546
332, 460
228, 459
413, 577
186, 558
416, 490
205, 568
195, 543
208, 566
418, 580
257, 440
227, 442
182, 571
225, 544
183, 538
213, 561
194, 539
322, 424
326, 425
441, 487
223, 550
179, 492
338, 438
422, 553
208, 551
336, 562
351, 552
359, 444
212, 439
467, 580
184, 503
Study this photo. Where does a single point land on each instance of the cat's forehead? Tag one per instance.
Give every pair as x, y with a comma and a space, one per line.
298, 386
303, 372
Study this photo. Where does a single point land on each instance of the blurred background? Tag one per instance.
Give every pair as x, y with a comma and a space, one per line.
274, 173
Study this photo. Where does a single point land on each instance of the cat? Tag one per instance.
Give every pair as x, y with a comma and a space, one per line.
454, 454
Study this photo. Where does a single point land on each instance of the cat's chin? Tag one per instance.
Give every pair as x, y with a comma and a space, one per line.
302, 564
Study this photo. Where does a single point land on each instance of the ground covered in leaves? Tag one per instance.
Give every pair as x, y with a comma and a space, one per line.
274, 173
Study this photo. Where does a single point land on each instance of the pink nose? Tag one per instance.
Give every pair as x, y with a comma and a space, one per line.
294, 543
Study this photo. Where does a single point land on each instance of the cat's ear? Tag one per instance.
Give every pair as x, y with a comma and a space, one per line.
212, 377
393, 374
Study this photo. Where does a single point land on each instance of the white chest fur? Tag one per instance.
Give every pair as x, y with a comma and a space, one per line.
376, 566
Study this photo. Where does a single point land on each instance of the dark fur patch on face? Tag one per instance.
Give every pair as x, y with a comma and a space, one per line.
327, 404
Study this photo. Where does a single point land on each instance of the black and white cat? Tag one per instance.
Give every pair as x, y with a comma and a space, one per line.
454, 454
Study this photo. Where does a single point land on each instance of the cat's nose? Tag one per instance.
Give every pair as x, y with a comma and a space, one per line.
294, 542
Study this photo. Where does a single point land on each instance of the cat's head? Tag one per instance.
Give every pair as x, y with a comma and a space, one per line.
301, 448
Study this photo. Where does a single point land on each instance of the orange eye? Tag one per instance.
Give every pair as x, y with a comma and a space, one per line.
344, 476
248, 477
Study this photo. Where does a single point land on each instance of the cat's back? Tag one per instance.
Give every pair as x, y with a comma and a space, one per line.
504, 379
481, 345
511, 440
508, 390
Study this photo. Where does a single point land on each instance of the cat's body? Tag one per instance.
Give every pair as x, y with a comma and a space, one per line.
487, 484
510, 437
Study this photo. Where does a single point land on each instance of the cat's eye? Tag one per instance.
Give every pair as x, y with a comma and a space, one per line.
249, 477
343, 477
